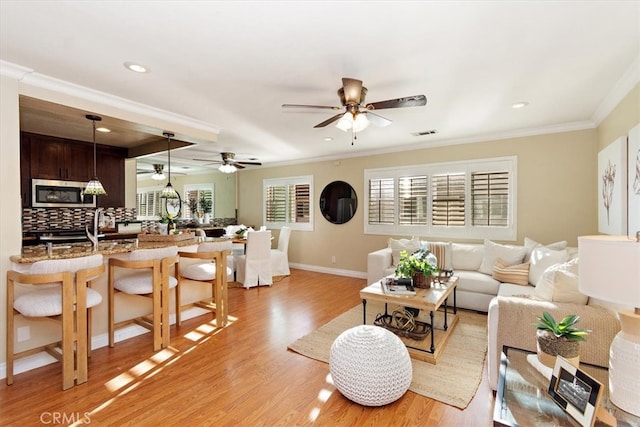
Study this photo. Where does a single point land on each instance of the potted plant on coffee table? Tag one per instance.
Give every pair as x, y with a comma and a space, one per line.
559, 339
420, 266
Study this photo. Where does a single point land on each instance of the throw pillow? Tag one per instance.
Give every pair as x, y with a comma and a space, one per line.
516, 274
559, 283
531, 244
543, 258
442, 251
466, 256
492, 251
397, 246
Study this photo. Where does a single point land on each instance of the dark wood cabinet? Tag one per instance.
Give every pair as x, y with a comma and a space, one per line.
110, 167
57, 158
48, 157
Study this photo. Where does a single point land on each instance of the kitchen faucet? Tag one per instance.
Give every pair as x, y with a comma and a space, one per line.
94, 237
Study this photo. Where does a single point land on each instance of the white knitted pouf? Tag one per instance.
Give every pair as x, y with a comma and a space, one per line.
370, 365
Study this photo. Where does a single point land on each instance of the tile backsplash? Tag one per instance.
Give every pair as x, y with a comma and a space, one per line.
44, 219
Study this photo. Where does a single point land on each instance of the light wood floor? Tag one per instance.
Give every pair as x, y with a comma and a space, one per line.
241, 375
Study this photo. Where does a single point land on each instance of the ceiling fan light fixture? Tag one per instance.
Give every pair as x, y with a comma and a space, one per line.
352, 121
158, 175
227, 168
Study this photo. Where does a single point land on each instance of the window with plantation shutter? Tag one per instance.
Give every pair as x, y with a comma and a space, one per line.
412, 199
193, 196
490, 198
381, 201
448, 199
287, 201
149, 203
473, 199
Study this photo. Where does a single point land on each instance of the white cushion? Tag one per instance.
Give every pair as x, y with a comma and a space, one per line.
543, 258
140, 283
48, 302
559, 283
466, 256
204, 271
51, 266
492, 251
511, 289
531, 244
397, 246
478, 283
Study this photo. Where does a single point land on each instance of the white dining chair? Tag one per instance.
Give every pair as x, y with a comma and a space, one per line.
280, 255
254, 267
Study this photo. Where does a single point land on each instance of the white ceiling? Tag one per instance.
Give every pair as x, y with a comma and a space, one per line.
231, 65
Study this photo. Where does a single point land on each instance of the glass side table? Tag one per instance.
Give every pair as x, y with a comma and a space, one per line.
522, 398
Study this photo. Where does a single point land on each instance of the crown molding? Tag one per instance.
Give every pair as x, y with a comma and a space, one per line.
622, 87
30, 78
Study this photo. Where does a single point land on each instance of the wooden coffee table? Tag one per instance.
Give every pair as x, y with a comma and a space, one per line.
430, 300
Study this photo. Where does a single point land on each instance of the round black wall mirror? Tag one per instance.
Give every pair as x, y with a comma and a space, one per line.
338, 202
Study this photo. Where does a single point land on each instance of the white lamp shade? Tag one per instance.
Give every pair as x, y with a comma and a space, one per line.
610, 269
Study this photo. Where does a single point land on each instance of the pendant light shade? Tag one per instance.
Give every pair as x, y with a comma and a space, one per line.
94, 187
168, 192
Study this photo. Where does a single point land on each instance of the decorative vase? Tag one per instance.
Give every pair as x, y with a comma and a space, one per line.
207, 218
422, 281
549, 347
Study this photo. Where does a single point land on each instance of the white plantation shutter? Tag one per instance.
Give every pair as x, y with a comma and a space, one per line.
412, 200
490, 198
148, 203
287, 201
448, 199
381, 201
195, 193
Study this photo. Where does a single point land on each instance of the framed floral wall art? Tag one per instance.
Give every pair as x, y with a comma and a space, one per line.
612, 188
633, 185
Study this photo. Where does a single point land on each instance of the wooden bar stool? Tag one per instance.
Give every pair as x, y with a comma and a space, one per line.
152, 280
213, 270
57, 289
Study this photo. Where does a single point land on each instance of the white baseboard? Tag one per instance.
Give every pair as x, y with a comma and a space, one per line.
328, 270
38, 360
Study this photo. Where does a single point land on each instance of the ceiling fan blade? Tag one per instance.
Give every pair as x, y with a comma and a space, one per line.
237, 165
409, 101
352, 90
376, 119
248, 163
326, 107
329, 121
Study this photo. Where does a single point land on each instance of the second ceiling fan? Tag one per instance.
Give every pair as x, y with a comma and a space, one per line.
357, 114
229, 164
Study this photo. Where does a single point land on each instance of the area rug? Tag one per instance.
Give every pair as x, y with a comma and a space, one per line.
453, 380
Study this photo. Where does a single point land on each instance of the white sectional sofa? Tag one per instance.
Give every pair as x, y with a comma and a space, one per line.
514, 284
477, 285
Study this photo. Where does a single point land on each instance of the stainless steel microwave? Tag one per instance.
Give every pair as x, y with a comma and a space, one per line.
48, 193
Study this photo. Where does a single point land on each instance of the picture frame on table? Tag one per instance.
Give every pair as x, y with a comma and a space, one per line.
612, 188
577, 393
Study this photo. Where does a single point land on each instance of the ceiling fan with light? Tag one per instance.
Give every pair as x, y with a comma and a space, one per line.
229, 164
357, 114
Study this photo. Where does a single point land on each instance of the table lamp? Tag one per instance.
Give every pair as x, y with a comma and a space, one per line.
609, 270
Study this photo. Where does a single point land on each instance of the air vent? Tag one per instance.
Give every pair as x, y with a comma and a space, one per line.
423, 133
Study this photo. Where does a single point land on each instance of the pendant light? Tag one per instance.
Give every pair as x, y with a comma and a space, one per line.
94, 187
168, 192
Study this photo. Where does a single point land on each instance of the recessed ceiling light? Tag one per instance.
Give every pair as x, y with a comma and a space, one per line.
135, 67
520, 104
328, 138
104, 130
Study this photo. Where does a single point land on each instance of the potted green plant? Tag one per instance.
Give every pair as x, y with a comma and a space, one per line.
420, 266
559, 339
205, 205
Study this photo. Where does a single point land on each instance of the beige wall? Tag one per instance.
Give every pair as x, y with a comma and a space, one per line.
623, 118
553, 194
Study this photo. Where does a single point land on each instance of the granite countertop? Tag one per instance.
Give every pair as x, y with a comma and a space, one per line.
106, 247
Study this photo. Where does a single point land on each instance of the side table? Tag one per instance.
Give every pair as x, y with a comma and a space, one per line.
522, 398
